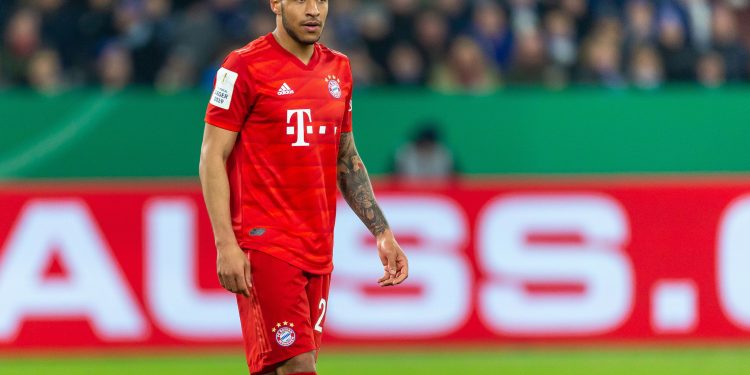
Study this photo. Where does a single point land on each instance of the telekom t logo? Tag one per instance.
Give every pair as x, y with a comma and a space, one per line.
302, 128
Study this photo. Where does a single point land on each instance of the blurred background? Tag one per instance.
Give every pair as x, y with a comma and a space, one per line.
569, 178
445, 45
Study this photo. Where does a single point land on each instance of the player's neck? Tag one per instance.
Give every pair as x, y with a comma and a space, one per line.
303, 52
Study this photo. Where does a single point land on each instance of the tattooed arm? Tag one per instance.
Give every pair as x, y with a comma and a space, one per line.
354, 184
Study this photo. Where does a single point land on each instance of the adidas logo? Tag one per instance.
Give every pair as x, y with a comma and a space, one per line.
285, 90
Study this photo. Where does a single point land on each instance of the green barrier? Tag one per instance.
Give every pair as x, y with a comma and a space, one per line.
146, 134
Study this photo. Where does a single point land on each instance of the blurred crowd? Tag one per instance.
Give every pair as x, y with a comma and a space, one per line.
448, 45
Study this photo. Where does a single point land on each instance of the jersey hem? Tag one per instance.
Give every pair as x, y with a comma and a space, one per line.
304, 266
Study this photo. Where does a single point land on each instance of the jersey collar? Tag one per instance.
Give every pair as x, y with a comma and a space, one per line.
296, 60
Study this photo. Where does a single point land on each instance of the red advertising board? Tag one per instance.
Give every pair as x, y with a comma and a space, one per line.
95, 265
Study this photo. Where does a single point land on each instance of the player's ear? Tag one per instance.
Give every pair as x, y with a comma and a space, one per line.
275, 6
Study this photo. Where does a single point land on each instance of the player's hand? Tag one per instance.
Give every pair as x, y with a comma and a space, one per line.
395, 264
233, 268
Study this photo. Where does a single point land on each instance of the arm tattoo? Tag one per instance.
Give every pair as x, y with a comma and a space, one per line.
354, 183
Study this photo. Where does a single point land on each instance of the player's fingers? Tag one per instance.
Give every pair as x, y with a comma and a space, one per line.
392, 264
400, 278
221, 281
229, 283
403, 271
241, 285
248, 275
224, 279
387, 279
388, 282
386, 276
385, 273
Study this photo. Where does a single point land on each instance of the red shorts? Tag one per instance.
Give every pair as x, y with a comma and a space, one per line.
285, 313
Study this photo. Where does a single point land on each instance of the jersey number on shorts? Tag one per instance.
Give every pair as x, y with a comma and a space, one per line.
321, 306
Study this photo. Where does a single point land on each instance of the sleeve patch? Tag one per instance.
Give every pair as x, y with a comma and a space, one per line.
222, 95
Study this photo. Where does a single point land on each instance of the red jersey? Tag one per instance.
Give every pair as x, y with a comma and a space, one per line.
282, 171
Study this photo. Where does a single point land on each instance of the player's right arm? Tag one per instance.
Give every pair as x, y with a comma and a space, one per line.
232, 265
225, 116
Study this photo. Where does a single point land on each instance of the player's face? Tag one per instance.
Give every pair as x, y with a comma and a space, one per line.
304, 20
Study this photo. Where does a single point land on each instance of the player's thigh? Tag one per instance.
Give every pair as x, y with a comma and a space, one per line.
282, 296
317, 293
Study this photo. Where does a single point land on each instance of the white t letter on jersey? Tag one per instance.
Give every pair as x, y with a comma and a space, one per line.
300, 125
94, 287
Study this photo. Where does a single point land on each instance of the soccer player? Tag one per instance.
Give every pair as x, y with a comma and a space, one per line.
277, 143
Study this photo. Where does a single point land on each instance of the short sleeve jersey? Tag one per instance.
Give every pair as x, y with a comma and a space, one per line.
282, 170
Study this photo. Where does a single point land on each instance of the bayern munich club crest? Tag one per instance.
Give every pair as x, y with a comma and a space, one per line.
334, 86
285, 335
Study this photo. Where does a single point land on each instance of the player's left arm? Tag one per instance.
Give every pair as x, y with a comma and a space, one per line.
354, 184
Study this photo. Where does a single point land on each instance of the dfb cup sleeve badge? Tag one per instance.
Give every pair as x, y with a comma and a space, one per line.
285, 335
334, 86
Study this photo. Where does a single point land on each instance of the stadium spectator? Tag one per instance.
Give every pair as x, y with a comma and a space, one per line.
405, 66
45, 72
465, 69
639, 25
21, 40
259, 25
646, 69
342, 23
147, 33
115, 67
711, 72
431, 36
403, 14
578, 11
560, 39
365, 71
377, 33
95, 26
196, 35
457, 13
425, 156
679, 57
725, 41
524, 15
172, 44
59, 18
602, 57
530, 63
178, 73
233, 17
700, 25
493, 34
